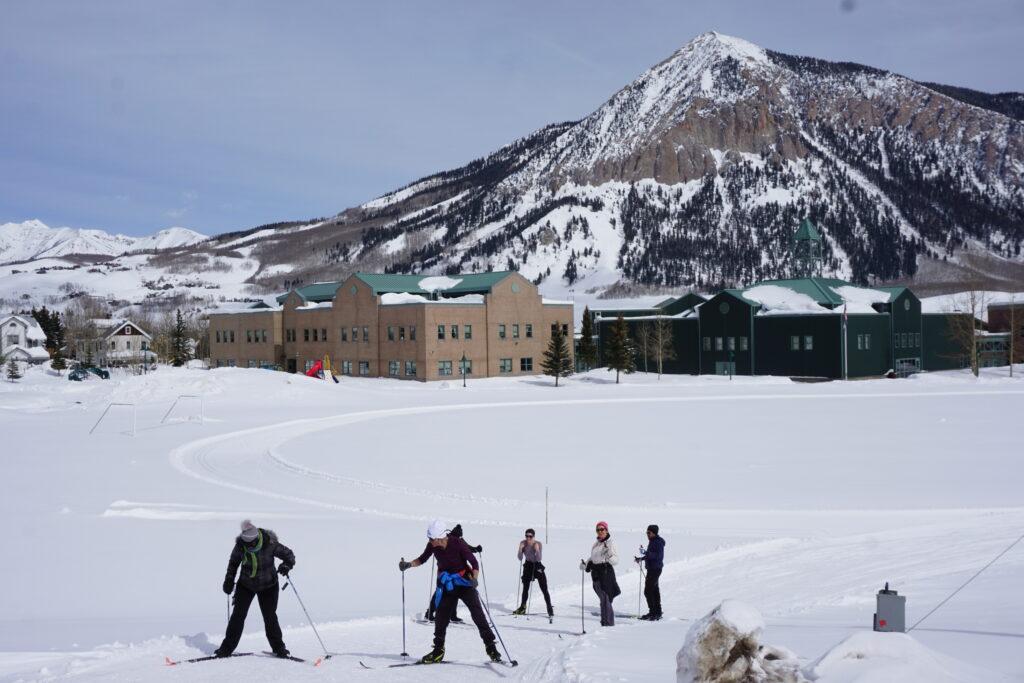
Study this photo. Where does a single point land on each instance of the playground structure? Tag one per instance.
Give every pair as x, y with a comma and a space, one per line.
322, 369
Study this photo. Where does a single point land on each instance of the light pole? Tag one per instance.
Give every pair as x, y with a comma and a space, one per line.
463, 363
723, 308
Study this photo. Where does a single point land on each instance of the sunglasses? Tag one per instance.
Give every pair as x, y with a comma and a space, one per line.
602, 528
529, 535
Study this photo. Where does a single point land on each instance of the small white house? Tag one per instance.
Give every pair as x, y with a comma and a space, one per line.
120, 342
22, 338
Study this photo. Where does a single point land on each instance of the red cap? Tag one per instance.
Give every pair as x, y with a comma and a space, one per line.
602, 524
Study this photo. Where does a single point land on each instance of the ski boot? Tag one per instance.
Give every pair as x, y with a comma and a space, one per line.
520, 612
493, 653
457, 620
646, 617
435, 656
282, 653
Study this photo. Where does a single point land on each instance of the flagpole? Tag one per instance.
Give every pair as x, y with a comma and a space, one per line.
846, 346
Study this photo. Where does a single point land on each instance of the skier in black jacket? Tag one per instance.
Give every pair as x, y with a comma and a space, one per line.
654, 560
254, 551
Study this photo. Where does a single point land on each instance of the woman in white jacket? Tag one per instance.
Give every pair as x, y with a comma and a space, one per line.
601, 565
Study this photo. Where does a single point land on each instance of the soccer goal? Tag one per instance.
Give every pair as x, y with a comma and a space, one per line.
125, 410
190, 409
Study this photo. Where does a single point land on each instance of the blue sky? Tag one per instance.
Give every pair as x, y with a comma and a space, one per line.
132, 116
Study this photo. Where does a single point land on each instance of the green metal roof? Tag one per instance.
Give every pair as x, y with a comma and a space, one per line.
807, 231
894, 292
317, 293
469, 283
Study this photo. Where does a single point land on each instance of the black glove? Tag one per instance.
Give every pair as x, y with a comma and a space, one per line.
638, 560
284, 569
229, 585
590, 565
478, 549
403, 565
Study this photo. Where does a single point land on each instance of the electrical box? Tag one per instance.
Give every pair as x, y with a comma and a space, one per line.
890, 611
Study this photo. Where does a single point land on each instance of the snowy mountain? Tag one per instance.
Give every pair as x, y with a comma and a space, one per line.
696, 173
33, 239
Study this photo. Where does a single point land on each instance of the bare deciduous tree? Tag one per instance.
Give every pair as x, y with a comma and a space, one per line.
644, 338
963, 332
662, 344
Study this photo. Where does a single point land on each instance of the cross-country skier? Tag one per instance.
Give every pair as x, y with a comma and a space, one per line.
458, 573
254, 551
601, 566
530, 552
653, 559
431, 609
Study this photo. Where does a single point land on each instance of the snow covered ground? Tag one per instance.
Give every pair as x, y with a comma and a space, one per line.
801, 500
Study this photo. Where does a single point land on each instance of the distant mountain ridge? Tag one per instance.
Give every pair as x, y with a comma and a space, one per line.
33, 239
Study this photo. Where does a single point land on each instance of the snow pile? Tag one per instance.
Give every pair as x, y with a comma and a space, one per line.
724, 647
860, 299
777, 300
868, 656
438, 282
397, 298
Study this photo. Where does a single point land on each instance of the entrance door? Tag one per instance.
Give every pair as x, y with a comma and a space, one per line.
292, 365
907, 366
725, 368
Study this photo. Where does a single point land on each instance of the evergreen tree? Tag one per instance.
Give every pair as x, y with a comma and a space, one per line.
58, 363
179, 341
619, 356
588, 351
557, 359
13, 373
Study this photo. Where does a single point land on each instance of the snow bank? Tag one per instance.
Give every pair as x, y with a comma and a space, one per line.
724, 647
777, 299
397, 298
867, 656
438, 282
860, 299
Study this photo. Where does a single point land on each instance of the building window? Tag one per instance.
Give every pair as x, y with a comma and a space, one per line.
410, 368
707, 343
466, 366
393, 368
467, 331
309, 365
346, 367
565, 330
305, 334
794, 343
232, 336
718, 344
248, 336
401, 334
391, 333
355, 334
501, 331
867, 342
145, 345
744, 344
440, 332
366, 333
455, 332
412, 333
344, 334
554, 328
529, 330
315, 337
515, 331
11, 339
263, 333
526, 364
505, 365
731, 342
231, 362
917, 339
364, 367
323, 334
860, 342
444, 368
808, 342
128, 345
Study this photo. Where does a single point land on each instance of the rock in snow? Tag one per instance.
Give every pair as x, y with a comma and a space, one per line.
724, 647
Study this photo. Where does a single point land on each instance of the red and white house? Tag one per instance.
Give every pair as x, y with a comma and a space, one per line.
119, 342
23, 339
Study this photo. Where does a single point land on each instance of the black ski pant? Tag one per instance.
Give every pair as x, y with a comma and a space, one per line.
268, 606
446, 609
652, 592
531, 571
431, 611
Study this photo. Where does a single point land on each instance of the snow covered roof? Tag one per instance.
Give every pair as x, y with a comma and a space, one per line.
135, 353
399, 298
32, 329
30, 353
814, 296
110, 326
312, 305
556, 302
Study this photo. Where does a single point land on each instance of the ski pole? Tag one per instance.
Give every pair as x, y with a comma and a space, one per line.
227, 599
404, 652
519, 583
639, 592
487, 609
327, 655
583, 575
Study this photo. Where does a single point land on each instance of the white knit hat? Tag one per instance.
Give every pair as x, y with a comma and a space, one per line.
249, 531
437, 529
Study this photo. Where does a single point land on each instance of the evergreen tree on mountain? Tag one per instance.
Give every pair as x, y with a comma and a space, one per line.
179, 341
619, 354
588, 351
557, 359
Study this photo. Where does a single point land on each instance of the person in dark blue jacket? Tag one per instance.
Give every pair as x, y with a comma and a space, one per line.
654, 560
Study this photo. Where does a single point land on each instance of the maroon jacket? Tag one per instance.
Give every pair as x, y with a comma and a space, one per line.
451, 559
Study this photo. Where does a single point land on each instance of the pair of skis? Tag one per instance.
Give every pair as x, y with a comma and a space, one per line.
207, 658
